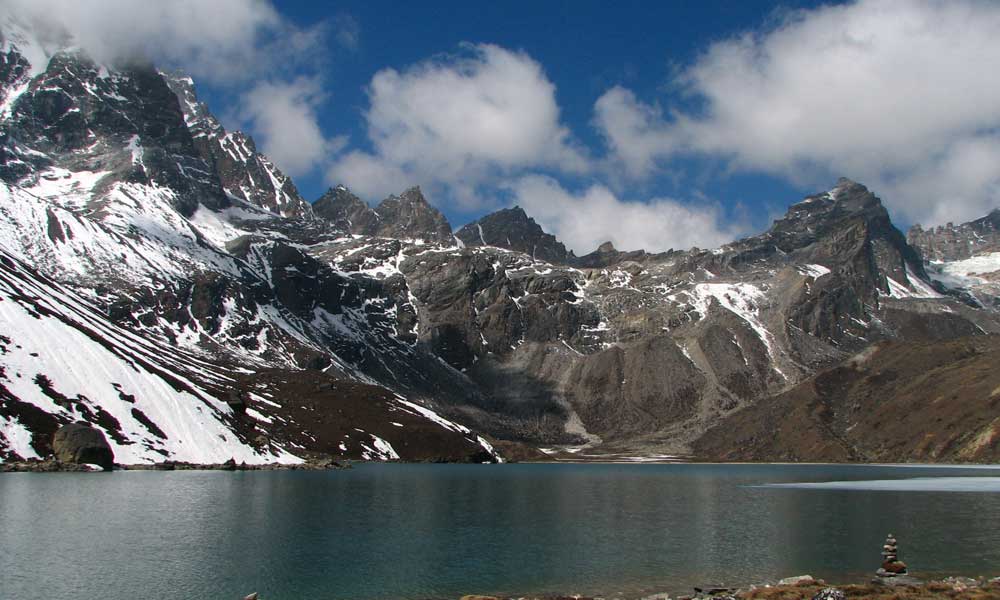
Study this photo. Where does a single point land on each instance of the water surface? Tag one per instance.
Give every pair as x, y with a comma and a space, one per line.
440, 531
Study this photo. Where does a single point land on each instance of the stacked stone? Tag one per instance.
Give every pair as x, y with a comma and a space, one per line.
891, 565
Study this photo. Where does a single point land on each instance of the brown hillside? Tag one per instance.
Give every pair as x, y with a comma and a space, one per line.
899, 401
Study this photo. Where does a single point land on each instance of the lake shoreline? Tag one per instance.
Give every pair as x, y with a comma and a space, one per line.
329, 463
804, 587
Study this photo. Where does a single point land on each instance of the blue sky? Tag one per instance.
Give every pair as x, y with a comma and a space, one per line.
652, 125
585, 48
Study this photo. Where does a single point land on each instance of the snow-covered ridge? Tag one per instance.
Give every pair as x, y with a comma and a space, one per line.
56, 345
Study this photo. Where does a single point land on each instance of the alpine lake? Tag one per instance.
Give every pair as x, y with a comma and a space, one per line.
412, 531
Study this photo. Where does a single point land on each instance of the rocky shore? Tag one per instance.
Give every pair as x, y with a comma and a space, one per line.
56, 466
892, 581
807, 588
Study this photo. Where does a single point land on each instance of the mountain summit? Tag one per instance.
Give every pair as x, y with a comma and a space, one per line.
513, 229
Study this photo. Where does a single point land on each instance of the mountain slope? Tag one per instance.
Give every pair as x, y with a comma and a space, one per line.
107, 194
897, 402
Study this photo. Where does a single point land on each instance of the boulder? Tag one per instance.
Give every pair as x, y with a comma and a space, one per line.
830, 594
894, 566
79, 443
798, 580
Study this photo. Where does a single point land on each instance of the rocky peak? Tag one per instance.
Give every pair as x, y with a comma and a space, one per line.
68, 114
846, 231
607, 255
409, 215
952, 242
513, 229
346, 211
242, 171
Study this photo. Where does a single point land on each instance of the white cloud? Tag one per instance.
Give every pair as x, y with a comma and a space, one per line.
283, 117
635, 133
222, 40
584, 221
461, 121
899, 94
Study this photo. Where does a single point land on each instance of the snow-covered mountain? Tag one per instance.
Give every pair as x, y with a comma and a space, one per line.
116, 206
164, 281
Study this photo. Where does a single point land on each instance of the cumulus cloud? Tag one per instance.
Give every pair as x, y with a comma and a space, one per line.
459, 122
223, 40
897, 93
636, 133
283, 116
584, 221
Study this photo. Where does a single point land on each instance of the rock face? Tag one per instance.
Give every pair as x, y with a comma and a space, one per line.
243, 172
80, 443
513, 229
346, 211
964, 257
957, 242
407, 216
607, 255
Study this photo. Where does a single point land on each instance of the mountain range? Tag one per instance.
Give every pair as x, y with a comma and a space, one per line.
164, 281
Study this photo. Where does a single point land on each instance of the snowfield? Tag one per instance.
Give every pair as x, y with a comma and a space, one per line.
55, 344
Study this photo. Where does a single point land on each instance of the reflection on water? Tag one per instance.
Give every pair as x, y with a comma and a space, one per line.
916, 484
440, 531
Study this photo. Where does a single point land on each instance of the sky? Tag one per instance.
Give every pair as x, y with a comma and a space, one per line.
652, 125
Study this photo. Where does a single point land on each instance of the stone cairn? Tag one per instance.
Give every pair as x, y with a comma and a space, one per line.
891, 565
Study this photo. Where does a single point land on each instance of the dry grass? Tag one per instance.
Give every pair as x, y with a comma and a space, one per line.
931, 591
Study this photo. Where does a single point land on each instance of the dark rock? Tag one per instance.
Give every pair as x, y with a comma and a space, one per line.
239, 168
410, 216
513, 229
607, 255
346, 211
407, 216
80, 443
957, 242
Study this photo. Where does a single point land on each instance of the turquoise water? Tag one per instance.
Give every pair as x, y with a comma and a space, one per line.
440, 531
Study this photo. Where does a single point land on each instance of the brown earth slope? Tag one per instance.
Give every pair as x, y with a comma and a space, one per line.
897, 402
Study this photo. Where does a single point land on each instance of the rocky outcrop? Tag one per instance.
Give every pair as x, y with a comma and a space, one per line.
957, 242
513, 229
408, 216
79, 443
607, 255
346, 211
242, 171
